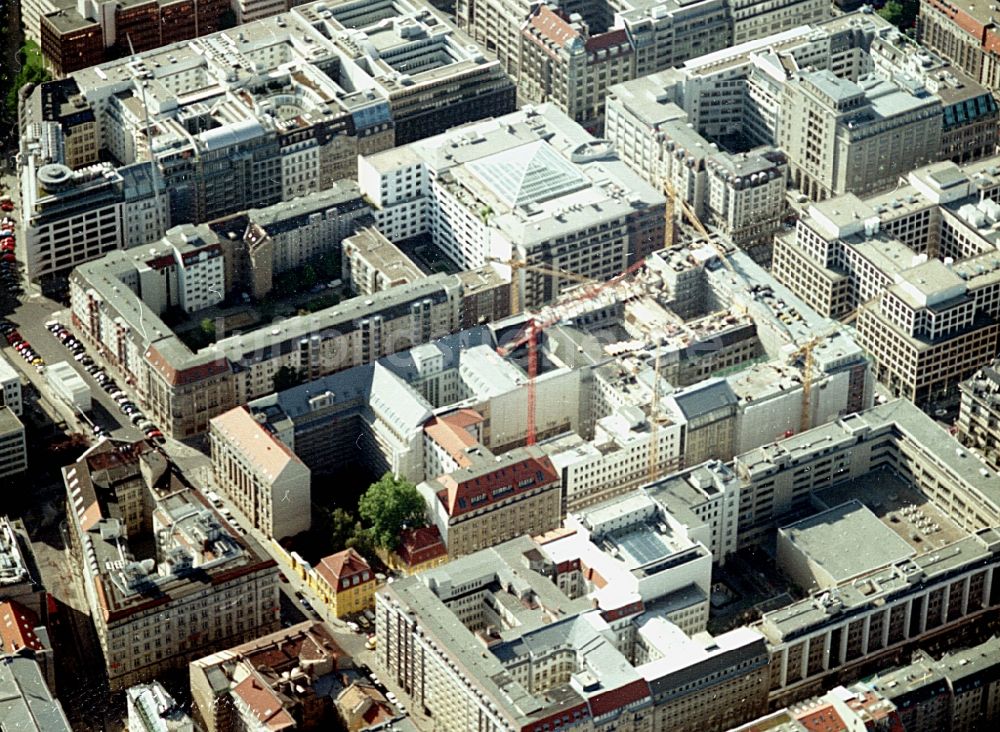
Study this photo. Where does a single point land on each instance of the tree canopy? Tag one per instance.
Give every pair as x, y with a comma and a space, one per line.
901, 13
286, 377
32, 71
388, 506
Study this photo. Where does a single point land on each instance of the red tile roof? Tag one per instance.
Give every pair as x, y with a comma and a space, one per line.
417, 546
264, 704
342, 565
453, 434
614, 699
553, 26
186, 376
607, 40
17, 627
821, 719
470, 490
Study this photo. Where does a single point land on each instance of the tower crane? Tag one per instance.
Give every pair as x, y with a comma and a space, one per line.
515, 291
692, 217
537, 323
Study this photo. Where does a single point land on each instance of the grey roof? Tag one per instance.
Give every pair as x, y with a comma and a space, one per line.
823, 537
9, 422
878, 588
971, 667
26, 704
705, 398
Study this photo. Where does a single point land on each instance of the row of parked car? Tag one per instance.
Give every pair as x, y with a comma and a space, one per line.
9, 277
127, 407
16, 341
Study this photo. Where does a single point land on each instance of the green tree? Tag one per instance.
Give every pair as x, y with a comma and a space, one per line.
343, 527
901, 13
361, 540
32, 71
309, 277
328, 265
208, 328
286, 377
388, 506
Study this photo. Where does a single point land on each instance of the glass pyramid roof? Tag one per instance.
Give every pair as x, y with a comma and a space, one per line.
528, 174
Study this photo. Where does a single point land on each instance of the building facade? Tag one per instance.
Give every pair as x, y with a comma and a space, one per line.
490, 499
520, 188
917, 266
978, 423
371, 263
345, 582
258, 473
10, 386
13, 445
966, 35
204, 587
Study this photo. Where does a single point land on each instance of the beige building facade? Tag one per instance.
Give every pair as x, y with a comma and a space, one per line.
268, 483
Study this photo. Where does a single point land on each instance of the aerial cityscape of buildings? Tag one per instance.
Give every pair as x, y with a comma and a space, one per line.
502, 366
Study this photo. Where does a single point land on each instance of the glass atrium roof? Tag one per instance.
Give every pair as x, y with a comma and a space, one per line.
528, 174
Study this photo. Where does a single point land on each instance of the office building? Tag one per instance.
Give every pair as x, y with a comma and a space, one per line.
634, 553
62, 122
978, 423
18, 580
74, 216
488, 498
970, 112
28, 704
10, 386
511, 636
966, 34
372, 263
13, 445
193, 584
73, 36
345, 582
284, 680
530, 187
263, 478
486, 295
185, 107
917, 264
570, 53
561, 62
742, 195
879, 105
933, 575
618, 458
957, 692
854, 136
116, 309
152, 709
262, 243
381, 416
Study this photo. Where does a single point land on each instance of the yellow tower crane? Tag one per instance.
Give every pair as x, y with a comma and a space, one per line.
692, 217
515, 290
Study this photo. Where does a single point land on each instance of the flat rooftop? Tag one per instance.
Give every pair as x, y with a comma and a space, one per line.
898, 505
847, 540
